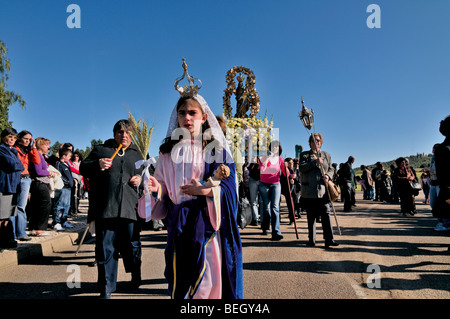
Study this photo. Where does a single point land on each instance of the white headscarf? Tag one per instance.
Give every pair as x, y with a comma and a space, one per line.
214, 125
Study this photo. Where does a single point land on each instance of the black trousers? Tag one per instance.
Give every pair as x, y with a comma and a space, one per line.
40, 205
316, 207
348, 195
114, 236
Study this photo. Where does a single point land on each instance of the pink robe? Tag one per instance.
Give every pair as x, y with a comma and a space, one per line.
174, 170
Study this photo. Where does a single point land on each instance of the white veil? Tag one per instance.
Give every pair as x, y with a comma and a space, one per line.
216, 130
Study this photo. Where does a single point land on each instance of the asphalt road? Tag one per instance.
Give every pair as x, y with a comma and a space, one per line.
382, 255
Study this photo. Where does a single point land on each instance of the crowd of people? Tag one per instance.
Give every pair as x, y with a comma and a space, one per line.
204, 252
397, 185
35, 187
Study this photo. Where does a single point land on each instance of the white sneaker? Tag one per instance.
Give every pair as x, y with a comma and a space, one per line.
67, 225
58, 227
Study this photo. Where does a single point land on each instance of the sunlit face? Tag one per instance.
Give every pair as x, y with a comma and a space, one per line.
290, 164
123, 137
275, 149
25, 140
191, 117
43, 148
318, 142
9, 140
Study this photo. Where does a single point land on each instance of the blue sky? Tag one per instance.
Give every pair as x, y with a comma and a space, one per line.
377, 94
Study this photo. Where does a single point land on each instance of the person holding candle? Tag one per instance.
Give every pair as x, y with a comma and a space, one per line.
113, 201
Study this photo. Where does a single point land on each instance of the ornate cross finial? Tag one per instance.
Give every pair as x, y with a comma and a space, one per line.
186, 90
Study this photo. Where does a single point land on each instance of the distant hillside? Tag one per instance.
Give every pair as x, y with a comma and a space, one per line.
418, 162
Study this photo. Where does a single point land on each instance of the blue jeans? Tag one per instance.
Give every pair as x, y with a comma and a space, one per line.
270, 193
19, 222
62, 205
116, 235
434, 192
253, 185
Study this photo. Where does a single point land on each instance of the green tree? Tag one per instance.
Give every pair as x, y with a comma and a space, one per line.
7, 98
54, 149
88, 149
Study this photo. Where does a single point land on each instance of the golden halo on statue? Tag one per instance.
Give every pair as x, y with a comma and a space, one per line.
253, 97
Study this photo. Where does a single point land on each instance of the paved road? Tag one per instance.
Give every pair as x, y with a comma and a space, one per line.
382, 255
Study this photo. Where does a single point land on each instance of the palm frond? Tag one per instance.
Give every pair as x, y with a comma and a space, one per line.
141, 135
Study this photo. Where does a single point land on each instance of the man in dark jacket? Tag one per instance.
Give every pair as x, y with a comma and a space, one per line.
347, 177
316, 170
442, 160
113, 201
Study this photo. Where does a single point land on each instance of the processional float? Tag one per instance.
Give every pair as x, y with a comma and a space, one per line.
247, 134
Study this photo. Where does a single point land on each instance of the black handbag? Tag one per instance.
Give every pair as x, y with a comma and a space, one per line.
244, 213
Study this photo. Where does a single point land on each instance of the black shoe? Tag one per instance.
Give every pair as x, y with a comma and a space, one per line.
135, 281
277, 237
310, 244
9, 245
331, 244
105, 296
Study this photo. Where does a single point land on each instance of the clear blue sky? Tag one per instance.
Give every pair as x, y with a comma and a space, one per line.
377, 93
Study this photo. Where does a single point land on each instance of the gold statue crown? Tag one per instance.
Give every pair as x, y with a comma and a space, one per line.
192, 89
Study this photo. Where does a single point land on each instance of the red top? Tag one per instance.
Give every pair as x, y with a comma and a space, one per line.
32, 156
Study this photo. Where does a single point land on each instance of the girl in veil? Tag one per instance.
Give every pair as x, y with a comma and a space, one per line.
203, 253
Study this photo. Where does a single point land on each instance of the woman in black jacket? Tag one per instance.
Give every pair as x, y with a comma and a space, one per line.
113, 201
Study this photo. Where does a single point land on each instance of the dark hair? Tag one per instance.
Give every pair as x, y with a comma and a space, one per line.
20, 135
8, 131
23, 133
444, 127
276, 143
399, 160
66, 145
64, 151
79, 156
122, 124
168, 143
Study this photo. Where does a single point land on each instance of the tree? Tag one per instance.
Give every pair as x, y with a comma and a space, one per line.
54, 149
7, 98
85, 153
